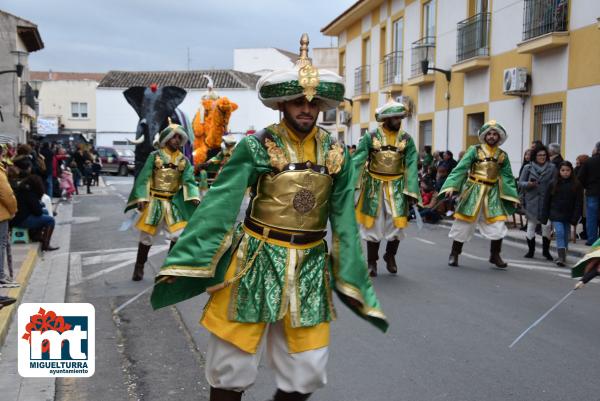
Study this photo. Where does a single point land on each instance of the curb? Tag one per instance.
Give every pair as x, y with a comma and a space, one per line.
571, 252
22, 278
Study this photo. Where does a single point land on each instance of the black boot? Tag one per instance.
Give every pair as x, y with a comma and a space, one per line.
46, 237
531, 245
142, 257
456, 250
390, 256
219, 394
562, 257
281, 395
546, 248
372, 256
495, 259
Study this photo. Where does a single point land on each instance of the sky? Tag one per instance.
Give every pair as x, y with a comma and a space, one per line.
98, 36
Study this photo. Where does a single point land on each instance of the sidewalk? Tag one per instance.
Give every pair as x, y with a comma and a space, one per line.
47, 275
517, 237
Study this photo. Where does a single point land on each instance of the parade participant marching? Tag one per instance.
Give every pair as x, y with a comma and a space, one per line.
271, 278
588, 267
165, 192
390, 184
488, 193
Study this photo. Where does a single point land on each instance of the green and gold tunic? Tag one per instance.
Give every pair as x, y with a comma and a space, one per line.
391, 165
166, 182
297, 185
484, 179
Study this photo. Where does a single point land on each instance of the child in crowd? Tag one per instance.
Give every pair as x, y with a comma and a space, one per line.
76, 176
66, 183
429, 196
96, 168
563, 205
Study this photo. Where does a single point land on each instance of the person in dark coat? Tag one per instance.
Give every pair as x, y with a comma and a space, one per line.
589, 176
535, 180
48, 154
554, 155
563, 205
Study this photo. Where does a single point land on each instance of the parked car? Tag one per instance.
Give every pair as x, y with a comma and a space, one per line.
115, 160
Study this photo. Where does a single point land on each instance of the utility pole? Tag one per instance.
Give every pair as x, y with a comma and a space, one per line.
188, 58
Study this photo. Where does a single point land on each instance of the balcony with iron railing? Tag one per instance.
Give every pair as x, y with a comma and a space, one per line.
362, 82
391, 69
545, 25
472, 43
421, 50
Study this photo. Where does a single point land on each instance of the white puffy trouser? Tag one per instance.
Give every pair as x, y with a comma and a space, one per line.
463, 231
230, 368
148, 239
383, 227
546, 229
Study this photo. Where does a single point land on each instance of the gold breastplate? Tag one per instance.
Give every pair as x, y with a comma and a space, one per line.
389, 160
166, 179
486, 170
295, 200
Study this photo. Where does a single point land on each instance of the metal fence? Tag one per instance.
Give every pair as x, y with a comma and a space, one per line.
544, 16
362, 80
473, 37
392, 68
420, 50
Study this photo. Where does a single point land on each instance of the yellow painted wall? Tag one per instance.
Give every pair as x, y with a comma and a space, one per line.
354, 31
584, 57
501, 62
373, 103
356, 112
457, 91
375, 16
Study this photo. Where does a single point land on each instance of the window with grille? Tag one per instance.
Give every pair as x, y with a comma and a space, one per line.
548, 123
79, 110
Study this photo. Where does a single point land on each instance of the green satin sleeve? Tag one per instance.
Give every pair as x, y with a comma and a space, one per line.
411, 187
508, 187
350, 276
458, 176
139, 192
202, 252
190, 187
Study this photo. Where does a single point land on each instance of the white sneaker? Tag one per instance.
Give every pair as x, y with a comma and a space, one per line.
5, 282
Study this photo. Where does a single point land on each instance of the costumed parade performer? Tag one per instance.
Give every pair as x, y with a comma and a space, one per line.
487, 193
165, 192
588, 267
389, 184
271, 278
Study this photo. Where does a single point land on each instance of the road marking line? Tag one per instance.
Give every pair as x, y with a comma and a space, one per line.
153, 251
75, 277
109, 258
424, 240
514, 263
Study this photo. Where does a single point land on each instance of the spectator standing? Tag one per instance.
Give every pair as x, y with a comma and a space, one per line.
87, 175
589, 176
526, 160
8, 208
448, 161
554, 155
535, 180
48, 154
563, 204
427, 156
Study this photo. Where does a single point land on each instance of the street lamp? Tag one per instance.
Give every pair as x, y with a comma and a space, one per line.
18, 70
448, 74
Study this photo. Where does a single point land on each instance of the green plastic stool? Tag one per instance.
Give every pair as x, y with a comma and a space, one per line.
20, 235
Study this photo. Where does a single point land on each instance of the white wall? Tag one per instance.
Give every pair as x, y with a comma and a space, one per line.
505, 36
449, 14
397, 5
260, 60
477, 87
353, 60
550, 71
412, 27
426, 99
582, 123
583, 12
508, 114
55, 100
455, 135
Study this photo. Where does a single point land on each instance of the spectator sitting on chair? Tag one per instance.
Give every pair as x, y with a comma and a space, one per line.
8, 208
29, 189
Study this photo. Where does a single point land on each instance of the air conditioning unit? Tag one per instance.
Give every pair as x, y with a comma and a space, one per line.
515, 81
407, 102
345, 117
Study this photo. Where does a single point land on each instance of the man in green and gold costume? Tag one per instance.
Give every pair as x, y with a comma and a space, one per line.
271, 278
487, 193
389, 184
165, 191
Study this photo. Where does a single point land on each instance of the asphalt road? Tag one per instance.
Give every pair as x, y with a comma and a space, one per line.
450, 328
